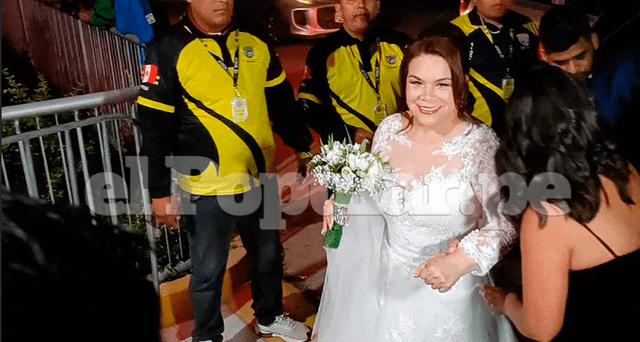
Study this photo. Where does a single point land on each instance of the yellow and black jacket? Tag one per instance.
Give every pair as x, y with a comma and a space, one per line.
335, 96
185, 110
485, 66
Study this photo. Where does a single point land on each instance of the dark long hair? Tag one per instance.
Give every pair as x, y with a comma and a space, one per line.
443, 47
552, 126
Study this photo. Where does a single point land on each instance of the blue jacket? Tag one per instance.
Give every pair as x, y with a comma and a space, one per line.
135, 17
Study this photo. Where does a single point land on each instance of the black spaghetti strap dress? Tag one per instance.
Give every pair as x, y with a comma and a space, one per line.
603, 302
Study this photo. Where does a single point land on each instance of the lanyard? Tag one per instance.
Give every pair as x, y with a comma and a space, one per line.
376, 86
487, 33
236, 64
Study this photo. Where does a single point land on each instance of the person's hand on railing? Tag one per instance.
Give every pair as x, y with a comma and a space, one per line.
166, 211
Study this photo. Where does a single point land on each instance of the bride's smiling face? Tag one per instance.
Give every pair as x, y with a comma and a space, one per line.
429, 91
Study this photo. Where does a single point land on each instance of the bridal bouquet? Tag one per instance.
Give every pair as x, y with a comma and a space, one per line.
346, 169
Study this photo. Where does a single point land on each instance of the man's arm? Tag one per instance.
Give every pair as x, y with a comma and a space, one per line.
313, 95
157, 122
284, 111
285, 114
157, 118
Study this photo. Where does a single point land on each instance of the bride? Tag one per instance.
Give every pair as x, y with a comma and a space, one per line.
413, 255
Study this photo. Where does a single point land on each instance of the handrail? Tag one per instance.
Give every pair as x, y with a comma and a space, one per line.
67, 145
64, 127
69, 103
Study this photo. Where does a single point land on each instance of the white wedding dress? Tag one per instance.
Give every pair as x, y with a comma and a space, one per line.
432, 195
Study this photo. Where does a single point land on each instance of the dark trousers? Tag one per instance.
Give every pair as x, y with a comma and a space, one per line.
209, 238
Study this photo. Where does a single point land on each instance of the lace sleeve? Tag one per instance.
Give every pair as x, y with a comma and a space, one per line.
384, 133
495, 234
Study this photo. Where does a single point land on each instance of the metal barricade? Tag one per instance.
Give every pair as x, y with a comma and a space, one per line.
79, 58
82, 134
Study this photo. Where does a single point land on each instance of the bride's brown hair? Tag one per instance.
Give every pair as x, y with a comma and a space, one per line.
442, 47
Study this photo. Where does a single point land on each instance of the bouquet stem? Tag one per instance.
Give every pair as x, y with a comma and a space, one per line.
340, 206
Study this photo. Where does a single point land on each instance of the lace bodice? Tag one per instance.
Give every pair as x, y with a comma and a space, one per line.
437, 193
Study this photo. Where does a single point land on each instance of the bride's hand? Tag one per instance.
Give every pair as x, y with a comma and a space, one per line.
452, 245
327, 219
443, 271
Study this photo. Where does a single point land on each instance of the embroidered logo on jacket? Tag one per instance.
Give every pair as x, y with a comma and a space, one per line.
391, 59
248, 51
523, 38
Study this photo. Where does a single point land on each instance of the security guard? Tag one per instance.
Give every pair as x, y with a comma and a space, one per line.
352, 76
209, 85
500, 43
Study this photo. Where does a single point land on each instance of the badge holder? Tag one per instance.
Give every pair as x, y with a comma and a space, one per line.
239, 108
379, 111
507, 87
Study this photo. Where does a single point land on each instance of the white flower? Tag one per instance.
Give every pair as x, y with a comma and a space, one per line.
351, 160
358, 162
353, 171
332, 157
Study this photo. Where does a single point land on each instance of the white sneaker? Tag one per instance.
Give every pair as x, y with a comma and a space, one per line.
285, 328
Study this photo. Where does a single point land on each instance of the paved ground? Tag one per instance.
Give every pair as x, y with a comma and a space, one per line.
236, 304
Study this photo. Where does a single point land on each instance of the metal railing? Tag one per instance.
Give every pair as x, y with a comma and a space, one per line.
88, 126
79, 149
73, 55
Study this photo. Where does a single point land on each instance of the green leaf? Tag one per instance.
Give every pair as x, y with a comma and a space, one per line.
363, 145
348, 135
305, 155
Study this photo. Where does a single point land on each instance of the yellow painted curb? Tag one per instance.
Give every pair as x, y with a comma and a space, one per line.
175, 302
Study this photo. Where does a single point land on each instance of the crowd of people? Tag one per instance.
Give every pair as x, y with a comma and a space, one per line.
486, 95
137, 20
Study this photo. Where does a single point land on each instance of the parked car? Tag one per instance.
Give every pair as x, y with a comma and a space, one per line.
301, 18
534, 9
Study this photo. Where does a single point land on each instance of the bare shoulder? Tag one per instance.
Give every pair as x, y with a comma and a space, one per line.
555, 226
634, 184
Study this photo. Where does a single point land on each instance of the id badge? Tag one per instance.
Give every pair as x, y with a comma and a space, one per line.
239, 109
379, 111
507, 87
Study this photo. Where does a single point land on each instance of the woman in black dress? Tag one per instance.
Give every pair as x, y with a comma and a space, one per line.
580, 236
